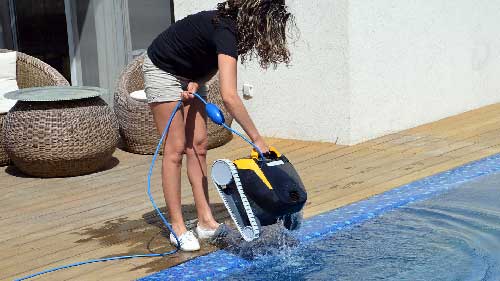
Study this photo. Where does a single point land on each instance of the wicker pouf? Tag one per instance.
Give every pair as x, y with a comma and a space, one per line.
4, 158
217, 135
137, 127
60, 138
30, 72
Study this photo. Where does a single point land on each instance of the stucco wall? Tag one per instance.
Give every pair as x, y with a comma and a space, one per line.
308, 100
413, 62
363, 69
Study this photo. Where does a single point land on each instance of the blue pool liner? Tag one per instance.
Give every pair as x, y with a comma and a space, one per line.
222, 263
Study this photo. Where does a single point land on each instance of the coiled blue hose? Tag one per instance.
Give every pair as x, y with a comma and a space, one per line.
215, 114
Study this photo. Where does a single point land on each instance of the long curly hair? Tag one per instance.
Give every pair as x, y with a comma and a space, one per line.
263, 27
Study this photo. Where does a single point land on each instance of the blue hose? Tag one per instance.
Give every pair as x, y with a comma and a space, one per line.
216, 116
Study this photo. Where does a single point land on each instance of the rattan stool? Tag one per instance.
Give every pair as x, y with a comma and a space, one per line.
60, 138
30, 72
4, 158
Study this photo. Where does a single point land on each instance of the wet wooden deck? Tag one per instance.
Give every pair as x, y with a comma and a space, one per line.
51, 222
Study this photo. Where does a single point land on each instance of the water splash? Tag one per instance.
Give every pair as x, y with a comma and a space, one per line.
274, 240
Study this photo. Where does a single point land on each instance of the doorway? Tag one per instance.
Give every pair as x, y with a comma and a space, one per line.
88, 41
37, 28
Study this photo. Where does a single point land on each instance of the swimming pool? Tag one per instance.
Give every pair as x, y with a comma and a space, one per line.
455, 236
445, 227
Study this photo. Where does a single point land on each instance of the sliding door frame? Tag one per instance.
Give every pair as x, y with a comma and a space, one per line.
13, 28
73, 43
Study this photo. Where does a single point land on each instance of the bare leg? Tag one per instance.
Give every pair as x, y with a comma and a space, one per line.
172, 160
196, 156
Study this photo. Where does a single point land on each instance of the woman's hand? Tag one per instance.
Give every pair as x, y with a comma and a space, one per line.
261, 144
192, 88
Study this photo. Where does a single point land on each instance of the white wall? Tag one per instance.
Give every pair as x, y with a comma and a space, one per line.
309, 100
362, 69
413, 62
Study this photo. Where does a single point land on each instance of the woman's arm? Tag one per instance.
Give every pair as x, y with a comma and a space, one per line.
233, 103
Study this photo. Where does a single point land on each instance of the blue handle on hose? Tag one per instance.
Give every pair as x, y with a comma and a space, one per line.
216, 115
213, 112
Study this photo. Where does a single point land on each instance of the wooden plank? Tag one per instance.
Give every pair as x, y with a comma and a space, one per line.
138, 174
78, 197
375, 176
397, 178
455, 121
130, 230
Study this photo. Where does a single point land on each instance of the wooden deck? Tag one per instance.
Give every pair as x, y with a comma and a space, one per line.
51, 222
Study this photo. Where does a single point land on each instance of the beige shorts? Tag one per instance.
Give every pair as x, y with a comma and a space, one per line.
161, 86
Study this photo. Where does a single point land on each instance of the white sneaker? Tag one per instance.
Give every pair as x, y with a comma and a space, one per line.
188, 241
205, 233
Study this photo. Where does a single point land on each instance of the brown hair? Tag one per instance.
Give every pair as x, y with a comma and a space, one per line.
262, 27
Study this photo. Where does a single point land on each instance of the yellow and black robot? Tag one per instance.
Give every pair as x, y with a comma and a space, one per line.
259, 192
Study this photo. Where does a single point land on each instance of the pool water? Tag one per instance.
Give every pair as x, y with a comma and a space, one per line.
453, 236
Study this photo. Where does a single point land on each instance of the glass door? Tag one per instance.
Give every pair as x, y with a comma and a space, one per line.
88, 41
105, 35
148, 18
40, 31
6, 39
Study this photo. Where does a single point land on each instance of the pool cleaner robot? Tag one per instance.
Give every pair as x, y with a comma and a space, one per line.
260, 191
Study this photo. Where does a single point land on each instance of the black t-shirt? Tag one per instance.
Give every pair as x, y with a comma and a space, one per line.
189, 47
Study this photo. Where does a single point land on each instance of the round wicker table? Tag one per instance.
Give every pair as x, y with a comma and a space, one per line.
60, 131
4, 158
